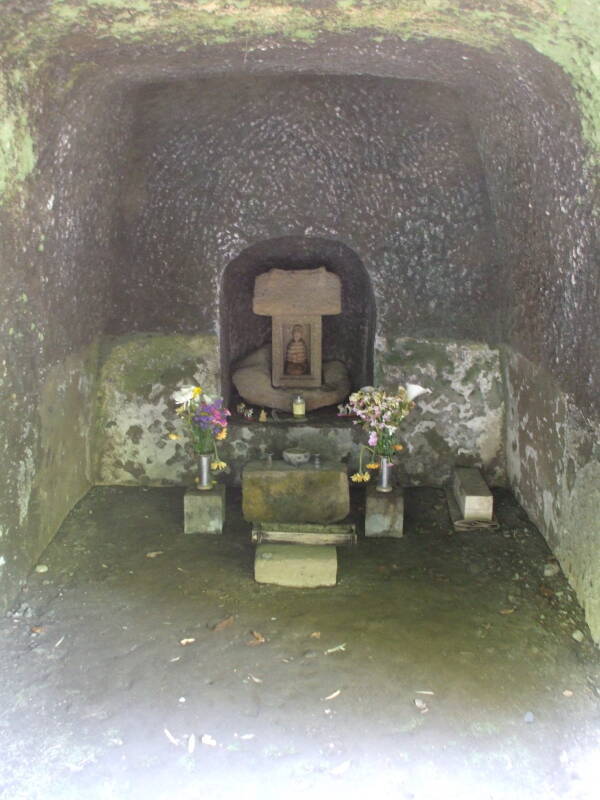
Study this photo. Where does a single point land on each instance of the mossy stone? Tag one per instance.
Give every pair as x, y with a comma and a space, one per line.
281, 493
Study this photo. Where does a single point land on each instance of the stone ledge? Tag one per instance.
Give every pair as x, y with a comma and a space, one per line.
296, 566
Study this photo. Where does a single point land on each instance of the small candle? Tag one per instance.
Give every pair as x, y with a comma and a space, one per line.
298, 406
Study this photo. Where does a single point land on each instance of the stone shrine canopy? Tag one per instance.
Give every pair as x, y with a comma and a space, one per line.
308, 291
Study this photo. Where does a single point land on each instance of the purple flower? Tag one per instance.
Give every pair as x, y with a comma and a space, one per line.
373, 439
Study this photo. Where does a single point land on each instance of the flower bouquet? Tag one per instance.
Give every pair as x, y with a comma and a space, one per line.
380, 413
206, 421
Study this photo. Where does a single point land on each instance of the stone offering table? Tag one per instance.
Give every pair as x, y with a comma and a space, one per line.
281, 493
296, 512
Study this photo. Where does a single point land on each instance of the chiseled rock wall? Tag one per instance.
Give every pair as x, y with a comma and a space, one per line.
53, 469
136, 416
553, 462
460, 422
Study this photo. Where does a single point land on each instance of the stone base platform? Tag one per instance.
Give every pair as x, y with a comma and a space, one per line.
204, 512
296, 566
384, 515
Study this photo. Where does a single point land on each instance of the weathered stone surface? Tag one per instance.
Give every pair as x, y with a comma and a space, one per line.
294, 565
461, 421
252, 379
140, 438
281, 493
204, 512
554, 468
280, 292
472, 494
384, 515
310, 534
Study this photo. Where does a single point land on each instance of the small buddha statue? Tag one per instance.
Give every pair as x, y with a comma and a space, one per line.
296, 354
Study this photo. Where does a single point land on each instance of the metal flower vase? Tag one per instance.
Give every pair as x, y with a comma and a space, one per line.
204, 480
384, 479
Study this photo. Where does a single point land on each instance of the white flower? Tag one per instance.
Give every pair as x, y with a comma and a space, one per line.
413, 391
184, 395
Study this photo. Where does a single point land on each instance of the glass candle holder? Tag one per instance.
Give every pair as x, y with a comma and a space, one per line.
299, 406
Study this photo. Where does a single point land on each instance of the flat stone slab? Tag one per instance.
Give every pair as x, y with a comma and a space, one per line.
472, 494
295, 565
306, 291
282, 493
204, 512
311, 534
384, 515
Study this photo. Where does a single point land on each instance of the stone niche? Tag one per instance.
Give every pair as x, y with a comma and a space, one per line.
318, 284
296, 301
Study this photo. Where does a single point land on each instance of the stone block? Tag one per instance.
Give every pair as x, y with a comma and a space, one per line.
204, 512
282, 493
474, 499
384, 515
306, 291
336, 533
294, 565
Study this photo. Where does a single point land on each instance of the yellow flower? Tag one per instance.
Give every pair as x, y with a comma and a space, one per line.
222, 434
218, 466
373, 465
173, 436
196, 391
360, 477
398, 447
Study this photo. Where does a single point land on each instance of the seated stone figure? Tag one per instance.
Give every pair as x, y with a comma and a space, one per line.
296, 356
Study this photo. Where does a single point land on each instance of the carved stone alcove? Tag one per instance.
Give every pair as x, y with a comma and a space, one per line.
347, 336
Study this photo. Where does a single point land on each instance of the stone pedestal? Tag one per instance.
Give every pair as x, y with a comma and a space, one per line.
472, 494
385, 514
282, 493
295, 565
204, 512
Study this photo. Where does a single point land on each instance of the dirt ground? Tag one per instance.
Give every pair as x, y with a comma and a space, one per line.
441, 663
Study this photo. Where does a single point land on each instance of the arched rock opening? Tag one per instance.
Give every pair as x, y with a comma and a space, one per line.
347, 337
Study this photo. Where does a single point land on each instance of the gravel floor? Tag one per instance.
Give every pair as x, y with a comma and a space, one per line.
135, 666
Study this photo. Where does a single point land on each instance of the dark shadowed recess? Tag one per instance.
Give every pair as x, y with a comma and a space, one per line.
388, 167
348, 336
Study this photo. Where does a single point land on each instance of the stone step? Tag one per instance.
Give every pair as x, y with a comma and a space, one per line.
296, 566
472, 494
306, 534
